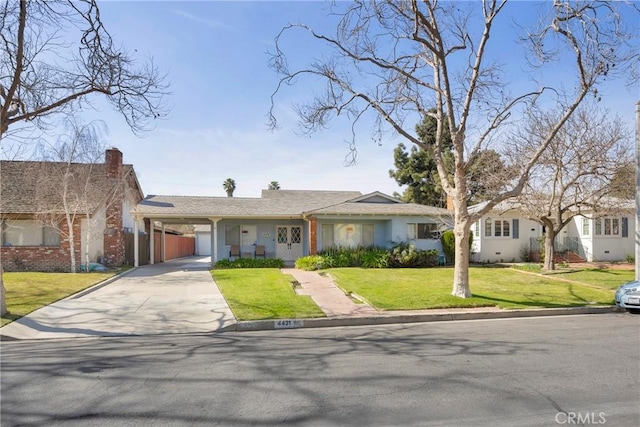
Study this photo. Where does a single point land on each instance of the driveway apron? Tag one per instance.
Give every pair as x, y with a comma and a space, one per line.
177, 296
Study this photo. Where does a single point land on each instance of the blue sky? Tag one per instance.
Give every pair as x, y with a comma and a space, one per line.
214, 54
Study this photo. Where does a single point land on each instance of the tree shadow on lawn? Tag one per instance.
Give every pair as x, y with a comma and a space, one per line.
514, 305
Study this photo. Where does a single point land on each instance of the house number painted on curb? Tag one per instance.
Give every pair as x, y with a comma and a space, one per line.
288, 324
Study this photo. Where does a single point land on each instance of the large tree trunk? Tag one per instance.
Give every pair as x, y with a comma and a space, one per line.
549, 253
461, 270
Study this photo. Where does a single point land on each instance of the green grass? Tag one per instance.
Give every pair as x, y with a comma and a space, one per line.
411, 289
604, 278
26, 292
263, 293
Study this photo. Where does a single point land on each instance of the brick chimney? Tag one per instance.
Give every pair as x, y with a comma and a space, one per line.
450, 203
114, 240
113, 160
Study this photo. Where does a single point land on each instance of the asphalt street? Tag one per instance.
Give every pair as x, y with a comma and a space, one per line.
567, 370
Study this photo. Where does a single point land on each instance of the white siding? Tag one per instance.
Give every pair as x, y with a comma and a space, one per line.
505, 249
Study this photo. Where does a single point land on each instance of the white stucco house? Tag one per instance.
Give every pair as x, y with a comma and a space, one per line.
505, 234
289, 224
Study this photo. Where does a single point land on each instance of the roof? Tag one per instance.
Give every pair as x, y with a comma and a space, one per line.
281, 204
30, 187
285, 203
612, 204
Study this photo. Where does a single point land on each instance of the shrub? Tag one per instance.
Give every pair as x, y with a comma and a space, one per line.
448, 240
376, 258
311, 263
250, 263
630, 258
405, 255
525, 253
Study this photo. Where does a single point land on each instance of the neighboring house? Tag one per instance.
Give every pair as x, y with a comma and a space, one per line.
608, 238
34, 228
290, 224
505, 234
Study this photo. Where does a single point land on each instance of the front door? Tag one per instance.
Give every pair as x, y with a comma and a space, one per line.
288, 242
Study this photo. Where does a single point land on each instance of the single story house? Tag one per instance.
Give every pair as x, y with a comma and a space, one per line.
505, 234
37, 196
289, 224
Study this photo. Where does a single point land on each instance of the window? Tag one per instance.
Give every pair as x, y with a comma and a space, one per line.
516, 228
23, 232
232, 235
348, 235
488, 227
498, 228
368, 235
611, 227
327, 235
423, 231
585, 226
625, 226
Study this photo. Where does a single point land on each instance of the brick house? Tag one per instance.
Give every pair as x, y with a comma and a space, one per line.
34, 212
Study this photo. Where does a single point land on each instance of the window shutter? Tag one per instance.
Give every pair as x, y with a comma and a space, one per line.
516, 228
625, 226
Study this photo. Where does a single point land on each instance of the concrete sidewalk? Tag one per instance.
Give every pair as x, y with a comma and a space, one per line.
177, 296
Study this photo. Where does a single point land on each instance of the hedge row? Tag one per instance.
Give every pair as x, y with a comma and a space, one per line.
402, 255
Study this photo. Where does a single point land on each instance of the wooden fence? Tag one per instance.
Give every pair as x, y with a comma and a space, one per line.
175, 246
143, 249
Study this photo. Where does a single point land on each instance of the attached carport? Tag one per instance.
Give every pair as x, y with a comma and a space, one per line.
215, 212
165, 220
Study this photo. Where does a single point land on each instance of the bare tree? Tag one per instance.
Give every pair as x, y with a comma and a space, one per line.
574, 175
398, 59
43, 71
68, 187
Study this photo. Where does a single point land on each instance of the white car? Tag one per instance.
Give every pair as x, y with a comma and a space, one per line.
628, 296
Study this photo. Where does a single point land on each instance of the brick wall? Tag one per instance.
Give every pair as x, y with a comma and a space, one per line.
43, 258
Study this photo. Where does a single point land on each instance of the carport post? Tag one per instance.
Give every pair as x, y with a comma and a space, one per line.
136, 261
151, 246
214, 240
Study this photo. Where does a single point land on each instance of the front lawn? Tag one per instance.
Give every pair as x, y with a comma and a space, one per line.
411, 289
26, 292
263, 293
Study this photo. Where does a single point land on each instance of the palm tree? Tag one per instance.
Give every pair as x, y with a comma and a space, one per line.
274, 185
229, 186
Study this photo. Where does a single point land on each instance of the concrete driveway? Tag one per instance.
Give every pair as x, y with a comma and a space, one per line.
178, 296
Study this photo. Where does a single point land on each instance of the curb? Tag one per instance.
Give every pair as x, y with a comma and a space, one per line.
265, 325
